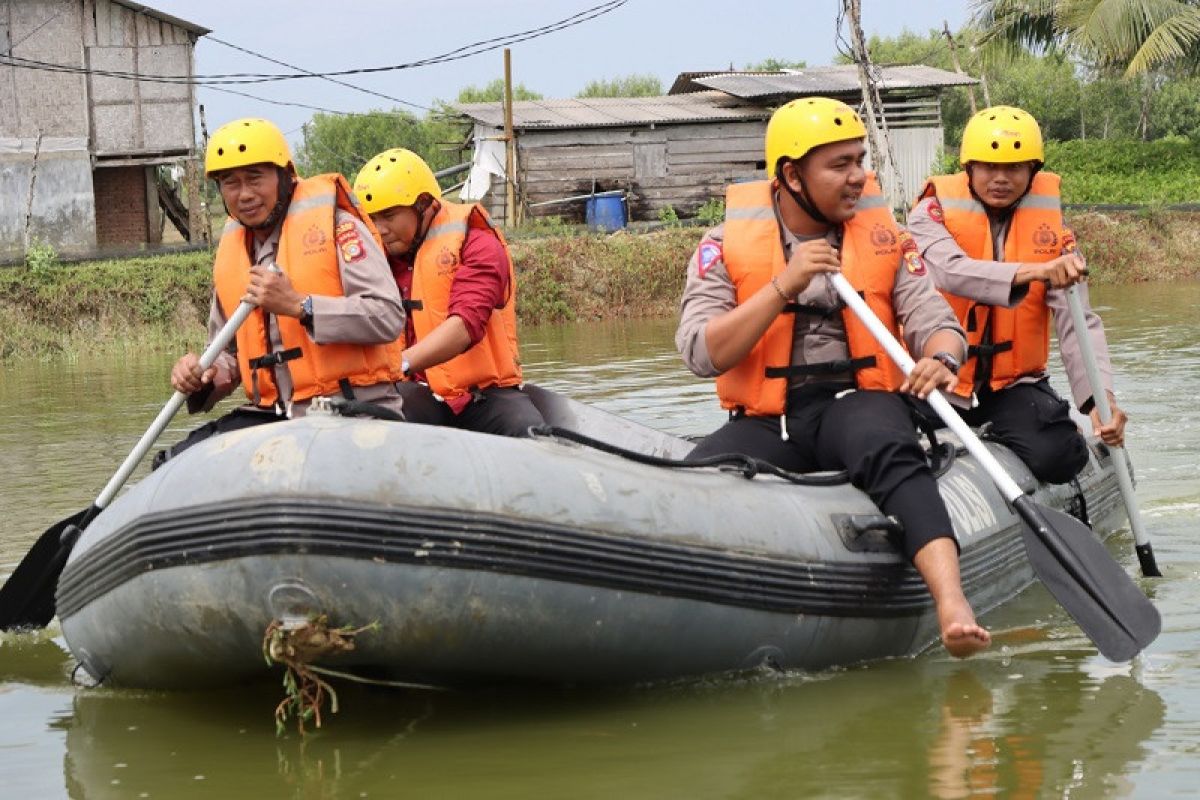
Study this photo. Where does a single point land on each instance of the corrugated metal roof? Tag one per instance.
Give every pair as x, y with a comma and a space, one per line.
838, 79
601, 112
167, 18
685, 82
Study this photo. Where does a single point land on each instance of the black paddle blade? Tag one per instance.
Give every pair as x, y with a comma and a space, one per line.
1078, 570
27, 597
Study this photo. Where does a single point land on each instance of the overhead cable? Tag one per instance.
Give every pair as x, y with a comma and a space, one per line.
233, 46
465, 51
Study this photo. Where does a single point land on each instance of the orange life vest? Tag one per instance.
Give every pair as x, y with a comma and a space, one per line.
493, 360
307, 254
753, 254
1020, 336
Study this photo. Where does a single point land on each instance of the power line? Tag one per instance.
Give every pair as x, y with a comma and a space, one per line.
465, 51
277, 102
212, 38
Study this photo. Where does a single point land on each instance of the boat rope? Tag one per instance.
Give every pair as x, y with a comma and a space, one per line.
748, 466
941, 458
350, 676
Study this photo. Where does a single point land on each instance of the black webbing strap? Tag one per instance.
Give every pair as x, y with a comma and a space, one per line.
275, 359
412, 305
988, 350
269, 361
824, 312
823, 368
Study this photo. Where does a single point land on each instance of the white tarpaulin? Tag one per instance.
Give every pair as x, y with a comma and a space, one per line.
487, 161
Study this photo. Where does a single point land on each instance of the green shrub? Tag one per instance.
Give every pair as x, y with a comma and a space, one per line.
40, 258
1126, 171
668, 216
712, 212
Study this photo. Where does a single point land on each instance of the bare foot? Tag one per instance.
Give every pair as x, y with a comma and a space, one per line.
964, 638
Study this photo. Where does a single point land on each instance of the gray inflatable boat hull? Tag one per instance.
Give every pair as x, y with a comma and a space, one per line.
486, 559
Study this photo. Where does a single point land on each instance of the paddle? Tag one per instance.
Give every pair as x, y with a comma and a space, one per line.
1065, 555
1142, 546
27, 597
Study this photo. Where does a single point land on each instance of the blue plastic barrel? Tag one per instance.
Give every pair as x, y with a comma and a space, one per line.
606, 211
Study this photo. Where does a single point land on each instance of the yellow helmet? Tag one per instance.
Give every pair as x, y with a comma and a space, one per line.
244, 142
395, 177
801, 125
1002, 135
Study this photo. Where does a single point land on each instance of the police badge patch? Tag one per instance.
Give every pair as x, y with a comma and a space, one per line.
707, 255
349, 242
935, 212
911, 254
1069, 244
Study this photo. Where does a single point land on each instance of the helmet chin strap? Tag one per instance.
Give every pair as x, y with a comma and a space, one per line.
421, 206
969, 169
801, 197
286, 190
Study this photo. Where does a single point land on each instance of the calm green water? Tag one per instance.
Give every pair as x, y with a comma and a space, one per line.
1041, 715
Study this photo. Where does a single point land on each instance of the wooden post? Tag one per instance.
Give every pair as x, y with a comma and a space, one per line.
510, 147
203, 184
957, 66
154, 217
881, 156
199, 224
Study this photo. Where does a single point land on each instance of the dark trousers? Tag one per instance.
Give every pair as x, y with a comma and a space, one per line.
869, 434
1035, 423
502, 410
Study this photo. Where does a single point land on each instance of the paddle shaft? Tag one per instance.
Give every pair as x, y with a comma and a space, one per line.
1064, 554
168, 412
1143, 548
1008, 487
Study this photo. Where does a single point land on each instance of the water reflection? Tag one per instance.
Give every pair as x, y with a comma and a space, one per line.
903, 729
1066, 734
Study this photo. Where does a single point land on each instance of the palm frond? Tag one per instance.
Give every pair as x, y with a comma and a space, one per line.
1175, 40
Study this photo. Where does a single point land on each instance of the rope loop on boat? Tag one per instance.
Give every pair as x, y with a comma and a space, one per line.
747, 466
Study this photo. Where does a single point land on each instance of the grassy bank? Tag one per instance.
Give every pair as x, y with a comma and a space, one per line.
161, 302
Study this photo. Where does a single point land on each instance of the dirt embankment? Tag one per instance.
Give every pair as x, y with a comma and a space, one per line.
162, 301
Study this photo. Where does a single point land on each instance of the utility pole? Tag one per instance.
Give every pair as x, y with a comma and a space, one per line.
957, 66
881, 156
510, 147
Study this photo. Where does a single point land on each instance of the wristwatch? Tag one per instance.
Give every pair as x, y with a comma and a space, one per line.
306, 312
948, 360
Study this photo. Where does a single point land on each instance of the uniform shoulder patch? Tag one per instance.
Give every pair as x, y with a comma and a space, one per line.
1069, 245
349, 242
707, 254
935, 211
911, 254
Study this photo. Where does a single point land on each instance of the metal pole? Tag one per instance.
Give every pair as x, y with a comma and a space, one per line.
1142, 546
510, 146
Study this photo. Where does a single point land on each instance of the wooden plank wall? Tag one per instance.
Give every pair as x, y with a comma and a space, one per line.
681, 166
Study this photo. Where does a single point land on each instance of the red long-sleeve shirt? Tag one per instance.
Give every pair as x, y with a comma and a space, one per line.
480, 286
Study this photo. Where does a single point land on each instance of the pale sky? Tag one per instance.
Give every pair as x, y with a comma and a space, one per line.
660, 37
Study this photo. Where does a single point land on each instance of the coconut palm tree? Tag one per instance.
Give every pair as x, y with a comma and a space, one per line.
1130, 36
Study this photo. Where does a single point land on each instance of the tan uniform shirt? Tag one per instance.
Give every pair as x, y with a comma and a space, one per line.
991, 282
710, 292
370, 312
